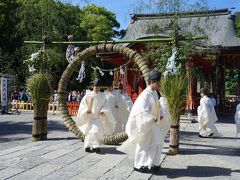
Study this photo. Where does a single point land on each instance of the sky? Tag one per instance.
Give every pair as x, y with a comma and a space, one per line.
122, 8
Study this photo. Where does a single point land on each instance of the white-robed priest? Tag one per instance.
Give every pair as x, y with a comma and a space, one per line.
126, 99
237, 119
94, 118
164, 111
124, 107
145, 134
206, 116
117, 105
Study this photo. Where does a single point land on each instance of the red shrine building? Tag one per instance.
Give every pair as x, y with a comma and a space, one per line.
220, 51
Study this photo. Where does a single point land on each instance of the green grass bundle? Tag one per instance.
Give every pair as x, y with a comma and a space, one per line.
174, 88
40, 86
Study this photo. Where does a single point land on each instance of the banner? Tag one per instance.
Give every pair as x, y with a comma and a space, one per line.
4, 98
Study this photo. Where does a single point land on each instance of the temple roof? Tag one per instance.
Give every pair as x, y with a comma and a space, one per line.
217, 25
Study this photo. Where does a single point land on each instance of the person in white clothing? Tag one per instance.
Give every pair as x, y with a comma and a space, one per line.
126, 99
213, 100
237, 119
145, 134
164, 111
95, 118
206, 116
124, 107
115, 102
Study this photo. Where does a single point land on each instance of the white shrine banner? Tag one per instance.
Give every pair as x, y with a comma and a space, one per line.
4, 98
198, 87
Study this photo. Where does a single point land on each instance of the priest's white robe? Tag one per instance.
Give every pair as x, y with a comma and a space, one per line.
237, 119
118, 108
164, 111
128, 101
95, 125
206, 117
145, 137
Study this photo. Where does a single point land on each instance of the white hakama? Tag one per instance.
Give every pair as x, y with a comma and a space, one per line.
145, 135
164, 111
118, 108
96, 124
128, 101
206, 117
237, 119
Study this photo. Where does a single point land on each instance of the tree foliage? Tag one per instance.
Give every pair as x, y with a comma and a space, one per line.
238, 23
98, 23
31, 19
170, 6
10, 40
231, 81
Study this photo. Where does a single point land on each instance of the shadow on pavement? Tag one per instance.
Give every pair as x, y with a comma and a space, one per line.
60, 139
110, 150
9, 127
25, 127
226, 119
196, 171
209, 149
3, 140
186, 135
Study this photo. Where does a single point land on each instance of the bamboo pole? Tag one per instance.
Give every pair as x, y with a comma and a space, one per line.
160, 40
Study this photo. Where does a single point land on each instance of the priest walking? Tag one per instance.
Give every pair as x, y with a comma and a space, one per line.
144, 130
117, 105
95, 118
206, 116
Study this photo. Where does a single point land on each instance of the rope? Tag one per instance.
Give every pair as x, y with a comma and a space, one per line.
108, 70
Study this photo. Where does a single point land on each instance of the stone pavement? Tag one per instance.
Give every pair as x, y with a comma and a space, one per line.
62, 156
212, 158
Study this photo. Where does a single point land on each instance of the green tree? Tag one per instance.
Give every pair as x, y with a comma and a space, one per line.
31, 19
11, 40
99, 23
237, 22
231, 81
56, 20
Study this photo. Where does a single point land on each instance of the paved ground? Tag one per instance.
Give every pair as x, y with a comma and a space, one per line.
213, 158
17, 129
62, 156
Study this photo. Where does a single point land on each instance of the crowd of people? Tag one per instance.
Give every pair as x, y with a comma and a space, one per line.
75, 96
23, 95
